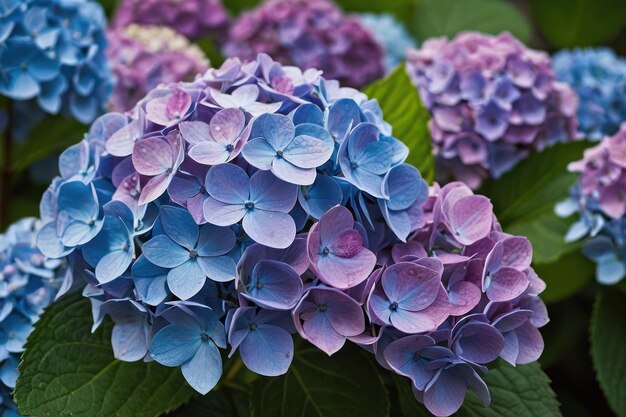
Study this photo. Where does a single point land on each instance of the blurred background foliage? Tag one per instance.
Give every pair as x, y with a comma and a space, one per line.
543, 24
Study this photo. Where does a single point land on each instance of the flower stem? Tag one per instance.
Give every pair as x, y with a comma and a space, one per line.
6, 179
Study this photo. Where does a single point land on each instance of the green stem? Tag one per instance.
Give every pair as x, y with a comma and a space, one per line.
6, 181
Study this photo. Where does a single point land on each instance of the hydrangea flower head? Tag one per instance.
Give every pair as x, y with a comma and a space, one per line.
54, 54
599, 198
391, 34
309, 34
493, 102
598, 76
258, 202
144, 56
193, 19
29, 281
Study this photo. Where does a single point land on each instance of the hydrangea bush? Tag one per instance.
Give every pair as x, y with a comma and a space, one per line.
28, 282
143, 57
493, 102
391, 35
193, 19
599, 198
309, 34
54, 54
599, 78
260, 201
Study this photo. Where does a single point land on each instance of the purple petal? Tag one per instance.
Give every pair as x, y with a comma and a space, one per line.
209, 153
506, 284
222, 214
154, 188
152, 156
346, 273
445, 394
471, 218
270, 193
290, 173
267, 350
228, 183
413, 287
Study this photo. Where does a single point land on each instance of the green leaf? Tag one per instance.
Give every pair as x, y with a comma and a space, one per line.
344, 385
408, 403
578, 23
53, 134
449, 17
68, 371
403, 109
524, 199
223, 402
565, 277
608, 346
521, 391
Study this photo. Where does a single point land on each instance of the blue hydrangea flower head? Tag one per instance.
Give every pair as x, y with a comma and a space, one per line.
391, 35
598, 76
29, 281
53, 53
259, 202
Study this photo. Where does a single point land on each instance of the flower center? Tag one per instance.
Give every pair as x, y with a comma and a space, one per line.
204, 336
279, 153
249, 205
393, 306
416, 356
229, 148
322, 307
91, 222
193, 254
252, 326
325, 251
202, 189
354, 165
259, 285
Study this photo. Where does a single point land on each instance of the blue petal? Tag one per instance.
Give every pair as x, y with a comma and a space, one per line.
78, 201
215, 240
343, 116
186, 280
267, 350
307, 113
218, 268
204, 370
164, 252
320, 197
179, 226
113, 265
174, 345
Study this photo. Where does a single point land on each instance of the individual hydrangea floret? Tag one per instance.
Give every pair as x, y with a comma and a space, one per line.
195, 19
53, 53
309, 34
598, 76
144, 56
391, 34
29, 281
493, 102
300, 217
599, 199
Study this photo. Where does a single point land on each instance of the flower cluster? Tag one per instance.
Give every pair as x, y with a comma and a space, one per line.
309, 34
391, 35
600, 199
143, 57
258, 202
492, 101
599, 78
28, 283
193, 19
54, 52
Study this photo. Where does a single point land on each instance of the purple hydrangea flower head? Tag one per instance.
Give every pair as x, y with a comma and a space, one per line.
493, 102
599, 199
143, 57
309, 34
29, 281
227, 211
598, 76
54, 55
193, 19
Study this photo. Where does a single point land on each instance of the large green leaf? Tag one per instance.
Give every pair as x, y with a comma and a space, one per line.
53, 134
68, 371
449, 17
565, 277
576, 23
524, 199
608, 346
403, 109
344, 385
522, 391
